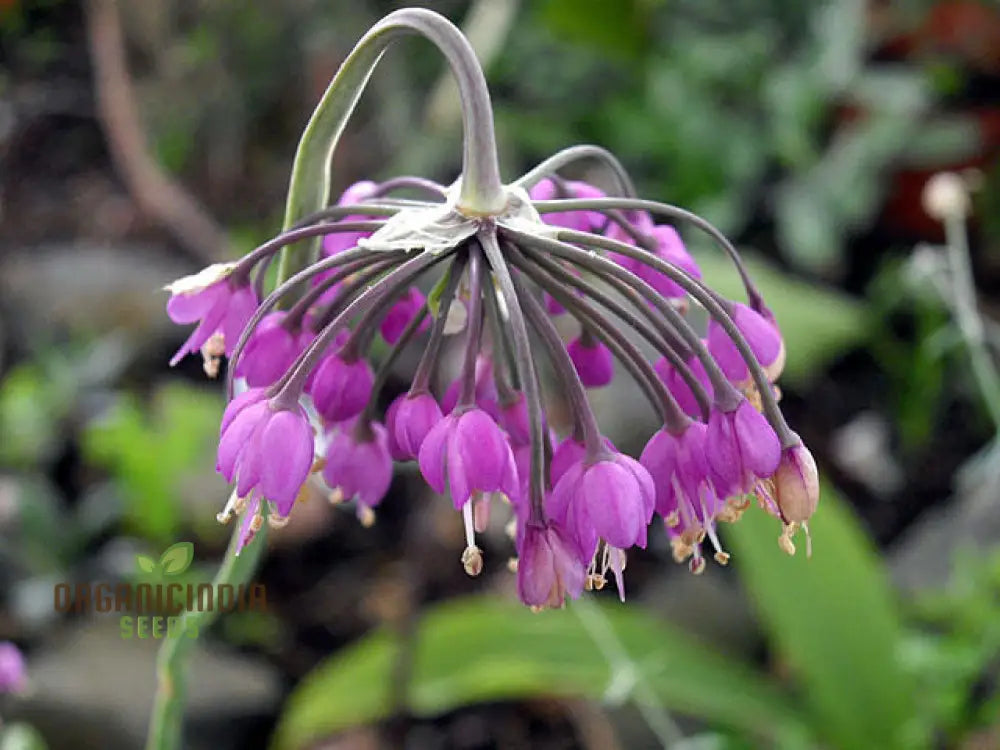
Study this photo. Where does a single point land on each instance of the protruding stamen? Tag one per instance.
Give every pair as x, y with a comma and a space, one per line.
277, 522
366, 516
470, 527
472, 561
336, 496
697, 564
212, 352
785, 540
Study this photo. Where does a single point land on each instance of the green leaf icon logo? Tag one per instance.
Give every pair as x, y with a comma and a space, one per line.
177, 558
145, 563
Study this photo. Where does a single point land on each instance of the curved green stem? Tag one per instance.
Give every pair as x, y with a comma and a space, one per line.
167, 719
480, 192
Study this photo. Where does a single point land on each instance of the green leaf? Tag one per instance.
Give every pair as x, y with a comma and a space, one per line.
177, 557
154, 456
479, 649
817, 322
145, 563
832, 619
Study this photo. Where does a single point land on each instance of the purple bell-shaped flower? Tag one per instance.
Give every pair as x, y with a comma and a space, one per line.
358, 463
741, 447
472, 453
415, 416
340, 389
265, 448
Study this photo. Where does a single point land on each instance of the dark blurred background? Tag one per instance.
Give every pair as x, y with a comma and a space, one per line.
140, 141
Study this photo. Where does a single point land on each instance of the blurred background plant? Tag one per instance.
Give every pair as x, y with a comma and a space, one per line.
808, 131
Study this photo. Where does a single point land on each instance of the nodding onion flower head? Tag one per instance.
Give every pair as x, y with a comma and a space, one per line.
463, 279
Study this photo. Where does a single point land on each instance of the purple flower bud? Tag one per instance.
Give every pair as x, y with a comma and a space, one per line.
763, 338
13, 674
360, 468
400, 315
269, 352
390, 428
341, 389
548, 569
593, 361
211, 299
679, 388
741, 447
338, 242
266, 448
473, 451
415, 417
669, 247
613, 499
581, 221
796, 484
513, 417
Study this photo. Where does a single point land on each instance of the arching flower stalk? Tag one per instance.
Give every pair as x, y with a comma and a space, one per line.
509, 257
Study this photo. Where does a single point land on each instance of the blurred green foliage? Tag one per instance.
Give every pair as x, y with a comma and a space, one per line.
847, 666
150, 452
480, 649
35, 398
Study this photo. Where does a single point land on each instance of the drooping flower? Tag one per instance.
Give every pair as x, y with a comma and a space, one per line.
593, 361
340, 388
612, 499
358, 463
470, 452
266, 448
220, 304
796, 484
415, 416
548, 570
741, 447
762, 336
269, 352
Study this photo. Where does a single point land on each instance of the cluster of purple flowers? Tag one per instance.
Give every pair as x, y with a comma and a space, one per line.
310, 403
503, 262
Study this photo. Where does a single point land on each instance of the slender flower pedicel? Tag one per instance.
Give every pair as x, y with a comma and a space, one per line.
480, 267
